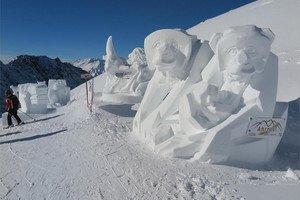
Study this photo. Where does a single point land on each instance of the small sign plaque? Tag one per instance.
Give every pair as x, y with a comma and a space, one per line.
263, 126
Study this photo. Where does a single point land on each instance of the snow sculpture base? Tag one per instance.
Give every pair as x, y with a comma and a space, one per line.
119, 99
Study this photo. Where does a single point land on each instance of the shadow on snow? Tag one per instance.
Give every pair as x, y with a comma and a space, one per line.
32, 137
120, 110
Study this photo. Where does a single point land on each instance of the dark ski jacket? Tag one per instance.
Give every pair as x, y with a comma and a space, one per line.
12, 103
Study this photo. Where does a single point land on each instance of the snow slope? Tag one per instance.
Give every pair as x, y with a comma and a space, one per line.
281, 16
70, 154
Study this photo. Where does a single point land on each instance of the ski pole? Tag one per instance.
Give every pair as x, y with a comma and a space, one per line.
27, 115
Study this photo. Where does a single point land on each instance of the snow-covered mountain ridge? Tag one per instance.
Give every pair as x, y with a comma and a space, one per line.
94, 66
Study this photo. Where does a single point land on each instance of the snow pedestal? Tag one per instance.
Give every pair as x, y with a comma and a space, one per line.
33, 97
228, 114
126, 83
58, 92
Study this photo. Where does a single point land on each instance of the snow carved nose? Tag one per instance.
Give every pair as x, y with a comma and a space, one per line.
163, 47
242, 58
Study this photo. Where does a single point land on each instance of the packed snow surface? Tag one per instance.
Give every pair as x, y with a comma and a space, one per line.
70, 154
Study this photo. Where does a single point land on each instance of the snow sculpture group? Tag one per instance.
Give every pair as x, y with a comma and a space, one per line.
213, 101
36, 97
126, 81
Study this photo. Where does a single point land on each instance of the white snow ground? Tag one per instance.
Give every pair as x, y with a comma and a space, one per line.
70, 154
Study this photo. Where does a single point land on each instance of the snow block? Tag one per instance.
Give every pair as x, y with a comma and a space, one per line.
33, 97
58, 92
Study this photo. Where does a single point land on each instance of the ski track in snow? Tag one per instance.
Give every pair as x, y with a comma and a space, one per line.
97, 158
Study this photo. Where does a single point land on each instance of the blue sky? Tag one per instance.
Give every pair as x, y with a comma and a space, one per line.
74, 29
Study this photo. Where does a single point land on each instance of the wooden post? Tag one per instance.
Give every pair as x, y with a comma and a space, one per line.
87, 77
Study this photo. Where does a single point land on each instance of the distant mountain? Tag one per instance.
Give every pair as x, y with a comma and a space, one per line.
30, 69
94, 66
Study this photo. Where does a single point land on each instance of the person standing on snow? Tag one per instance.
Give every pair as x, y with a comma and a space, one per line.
12, 104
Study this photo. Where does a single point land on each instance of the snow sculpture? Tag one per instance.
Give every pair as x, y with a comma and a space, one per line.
242, 52
230, 114
58, 93
178, 59
124, 84
33, 97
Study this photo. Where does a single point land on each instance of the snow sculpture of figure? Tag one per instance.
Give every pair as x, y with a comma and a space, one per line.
139, 81
125, 83
175, 56
58, 93
33, 97
24, 98
114, 66
239, 83
242, 52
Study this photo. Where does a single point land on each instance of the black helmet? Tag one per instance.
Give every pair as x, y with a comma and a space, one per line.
8, 92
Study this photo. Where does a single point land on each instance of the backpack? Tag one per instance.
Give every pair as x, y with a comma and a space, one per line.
16, 103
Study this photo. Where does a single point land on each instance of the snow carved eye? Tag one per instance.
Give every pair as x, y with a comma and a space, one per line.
156, 44
232, 51
174, 46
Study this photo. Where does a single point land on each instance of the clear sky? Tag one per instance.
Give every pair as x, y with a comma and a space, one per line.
74, 29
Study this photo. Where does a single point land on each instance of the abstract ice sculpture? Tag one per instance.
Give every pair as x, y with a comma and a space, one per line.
230, 114
126, 82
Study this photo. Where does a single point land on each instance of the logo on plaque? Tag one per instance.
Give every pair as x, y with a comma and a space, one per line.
265, 126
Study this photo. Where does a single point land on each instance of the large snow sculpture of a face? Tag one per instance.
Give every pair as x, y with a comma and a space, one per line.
168, 50
242, 50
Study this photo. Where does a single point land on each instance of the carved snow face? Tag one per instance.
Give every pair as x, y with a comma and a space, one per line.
244, 50
168, 50
167, 56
